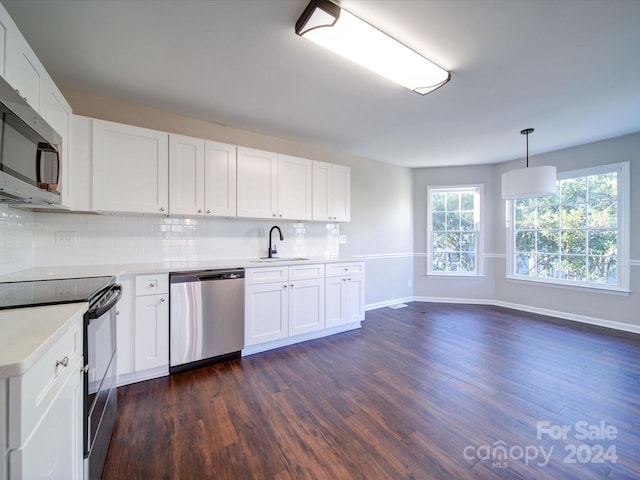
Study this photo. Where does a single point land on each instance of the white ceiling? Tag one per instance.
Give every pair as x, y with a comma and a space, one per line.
568, 68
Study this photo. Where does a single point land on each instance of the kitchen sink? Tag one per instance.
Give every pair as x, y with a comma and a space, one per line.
275, 260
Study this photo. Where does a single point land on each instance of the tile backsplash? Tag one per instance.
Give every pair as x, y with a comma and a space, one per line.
29, 239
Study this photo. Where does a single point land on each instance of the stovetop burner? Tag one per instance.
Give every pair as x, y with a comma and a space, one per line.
51, 292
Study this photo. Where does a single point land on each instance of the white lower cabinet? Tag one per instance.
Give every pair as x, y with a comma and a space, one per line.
143, 328
281, 302
344, 293
45, 412
152, 332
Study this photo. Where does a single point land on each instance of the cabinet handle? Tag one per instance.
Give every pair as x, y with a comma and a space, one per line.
162, 299
117, 312
274, 214
280, 215
64, 362
344, 279
162, 209
284, 287
349, 279
199, 210
152, 285
291, 285
208, 211
85, 369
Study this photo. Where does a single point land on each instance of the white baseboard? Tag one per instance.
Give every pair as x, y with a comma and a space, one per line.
373, 306
133, 377
625, 327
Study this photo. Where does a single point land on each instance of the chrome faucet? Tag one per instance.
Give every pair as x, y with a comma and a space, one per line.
272, 250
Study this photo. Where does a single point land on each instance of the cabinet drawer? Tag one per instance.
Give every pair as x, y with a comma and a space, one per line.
152, 284
266, 275
339, 269
31, 394
303, 272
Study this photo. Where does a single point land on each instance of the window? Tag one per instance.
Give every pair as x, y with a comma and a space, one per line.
453, 239
577, 236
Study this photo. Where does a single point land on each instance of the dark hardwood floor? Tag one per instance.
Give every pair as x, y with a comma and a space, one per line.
431, 391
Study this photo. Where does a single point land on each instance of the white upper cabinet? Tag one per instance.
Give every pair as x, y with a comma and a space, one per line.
331, 192
24, 71
220, 179
59, 116
202, 177
6, 24
294, 187
272, 185
130, 169
257, 183
186, 175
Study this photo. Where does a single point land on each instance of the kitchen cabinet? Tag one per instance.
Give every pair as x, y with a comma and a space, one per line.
59, 116
130, 169
6, 24
344, 293
283, 301
45, 410
24, 71
331, 192
257, 183
273, 185
125, 330
294, 187
202, 177
80, 164
151, 330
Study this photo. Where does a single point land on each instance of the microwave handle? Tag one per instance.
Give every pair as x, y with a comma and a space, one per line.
41, 177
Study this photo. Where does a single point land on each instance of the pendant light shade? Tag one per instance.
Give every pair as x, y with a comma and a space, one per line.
530, 181
330, 26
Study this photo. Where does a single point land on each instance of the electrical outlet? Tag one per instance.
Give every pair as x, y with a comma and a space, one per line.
65, 239
343, 239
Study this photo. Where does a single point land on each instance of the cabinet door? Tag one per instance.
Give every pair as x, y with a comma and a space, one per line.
220, 179
54, 449
266, 312
6, 24
130, 168
355, 298
24, 71
336, 301
306, 306
186, 175
341, 193
322, 195
80, 163
152, 332
257, 183
294, 187
59, 115
125, 327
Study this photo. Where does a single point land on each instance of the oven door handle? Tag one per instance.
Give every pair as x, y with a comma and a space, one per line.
116, 293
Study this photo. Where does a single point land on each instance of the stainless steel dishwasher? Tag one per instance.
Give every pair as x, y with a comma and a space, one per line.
206, 317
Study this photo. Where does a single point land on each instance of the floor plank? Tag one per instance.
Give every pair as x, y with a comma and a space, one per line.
431, 391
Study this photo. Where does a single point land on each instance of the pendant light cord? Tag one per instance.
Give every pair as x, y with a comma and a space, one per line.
526, 133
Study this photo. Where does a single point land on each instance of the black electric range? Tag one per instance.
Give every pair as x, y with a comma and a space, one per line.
52, 292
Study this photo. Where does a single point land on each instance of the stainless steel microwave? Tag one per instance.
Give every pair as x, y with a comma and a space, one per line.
29, 153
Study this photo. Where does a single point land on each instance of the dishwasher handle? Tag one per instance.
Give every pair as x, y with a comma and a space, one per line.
219, 276
206, 275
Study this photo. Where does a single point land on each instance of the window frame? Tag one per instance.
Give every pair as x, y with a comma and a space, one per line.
478, 190
623, 222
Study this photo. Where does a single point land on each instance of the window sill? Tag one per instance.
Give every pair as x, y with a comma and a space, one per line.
593, 288
454, 275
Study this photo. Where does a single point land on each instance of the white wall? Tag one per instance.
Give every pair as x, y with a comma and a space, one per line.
580, 304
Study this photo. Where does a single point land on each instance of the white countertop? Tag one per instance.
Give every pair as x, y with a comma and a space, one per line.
44, 273
25, 333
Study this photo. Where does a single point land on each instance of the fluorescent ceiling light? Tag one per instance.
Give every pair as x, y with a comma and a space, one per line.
332, 27
529, 182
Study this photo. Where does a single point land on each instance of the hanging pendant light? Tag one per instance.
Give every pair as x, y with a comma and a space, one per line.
529, 182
